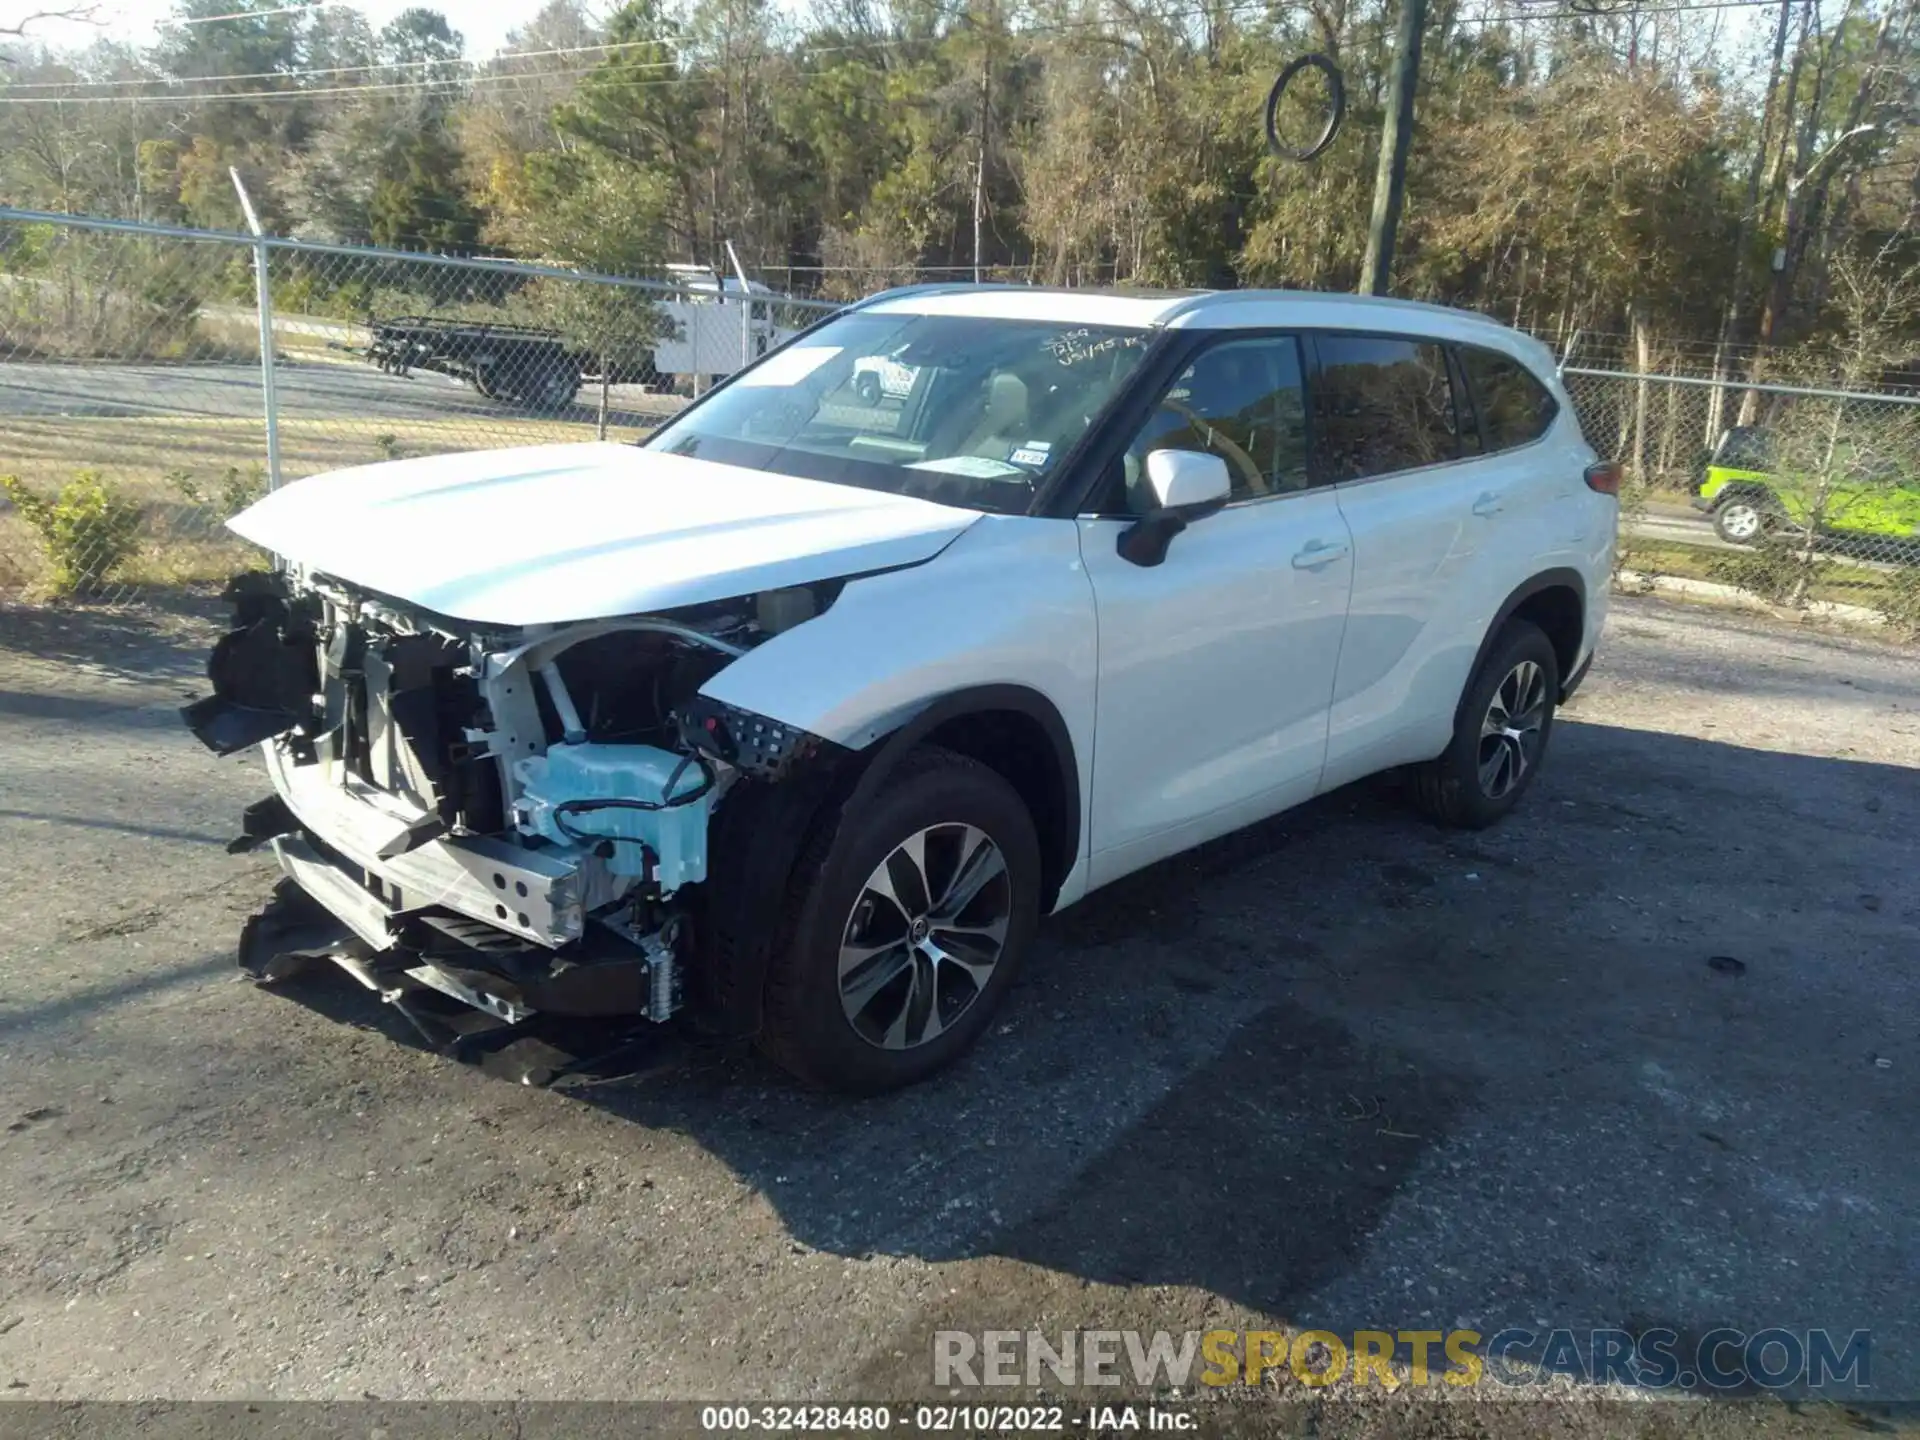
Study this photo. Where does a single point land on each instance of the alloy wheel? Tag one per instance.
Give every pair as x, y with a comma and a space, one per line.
1511, 730
925, 935
1740, 521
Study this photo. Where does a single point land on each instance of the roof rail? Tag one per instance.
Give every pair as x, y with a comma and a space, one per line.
927, 287
1188, 305
1206, 299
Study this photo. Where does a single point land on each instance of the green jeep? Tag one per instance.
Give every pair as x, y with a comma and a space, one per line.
1874, 500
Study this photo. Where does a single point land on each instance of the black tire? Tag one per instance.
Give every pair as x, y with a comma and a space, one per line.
1336, 106
808, 1030
1453, 788
867, 386
550, 388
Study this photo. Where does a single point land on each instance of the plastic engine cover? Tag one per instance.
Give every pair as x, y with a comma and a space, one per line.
676, 835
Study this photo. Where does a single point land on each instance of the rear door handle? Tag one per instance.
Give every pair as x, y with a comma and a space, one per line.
1489, 503
1318, 553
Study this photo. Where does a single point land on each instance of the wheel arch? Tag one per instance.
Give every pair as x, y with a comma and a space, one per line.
1757, 491
1556, 601
762, 829
1018, 733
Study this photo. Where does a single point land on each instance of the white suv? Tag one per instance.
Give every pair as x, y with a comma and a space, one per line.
798, 716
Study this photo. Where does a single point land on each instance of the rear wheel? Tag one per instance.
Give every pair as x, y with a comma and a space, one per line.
548, 386
907, 923
867, 386
557, 387
1500, 734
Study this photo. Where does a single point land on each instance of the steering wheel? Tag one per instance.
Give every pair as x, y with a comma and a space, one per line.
1221, 445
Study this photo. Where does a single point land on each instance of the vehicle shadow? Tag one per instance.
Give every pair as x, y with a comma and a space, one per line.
1496, 1065
165, 637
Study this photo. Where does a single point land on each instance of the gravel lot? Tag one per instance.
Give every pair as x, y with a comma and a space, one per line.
1342, 1070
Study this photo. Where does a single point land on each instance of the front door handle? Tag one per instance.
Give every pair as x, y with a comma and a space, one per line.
1318, 553
1489, 503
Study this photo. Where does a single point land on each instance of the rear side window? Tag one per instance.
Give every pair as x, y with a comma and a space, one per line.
1383, 405
1515, 408
1745, 447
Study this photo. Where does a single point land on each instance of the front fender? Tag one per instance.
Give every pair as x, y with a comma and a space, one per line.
1008, 603
1005, 610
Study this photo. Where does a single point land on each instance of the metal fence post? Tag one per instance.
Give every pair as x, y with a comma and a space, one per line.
746, 305
263, 303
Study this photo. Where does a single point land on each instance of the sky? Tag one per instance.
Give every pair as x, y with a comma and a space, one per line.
484, 24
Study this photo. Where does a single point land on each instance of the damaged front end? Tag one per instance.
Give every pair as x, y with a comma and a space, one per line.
488, 825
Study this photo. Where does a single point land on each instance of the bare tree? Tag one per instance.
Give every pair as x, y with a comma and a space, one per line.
81, 14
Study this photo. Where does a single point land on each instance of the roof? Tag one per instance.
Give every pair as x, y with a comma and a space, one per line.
1027, 302
1207, 310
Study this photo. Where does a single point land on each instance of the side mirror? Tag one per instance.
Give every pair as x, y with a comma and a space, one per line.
1187, 485
1185, 479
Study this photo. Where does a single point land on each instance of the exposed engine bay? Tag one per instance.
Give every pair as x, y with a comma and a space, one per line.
516, 820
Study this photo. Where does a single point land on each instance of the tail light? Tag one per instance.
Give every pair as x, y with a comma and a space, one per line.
1604, 477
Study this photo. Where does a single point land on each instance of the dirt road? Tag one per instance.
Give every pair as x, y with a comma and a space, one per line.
1344, 1070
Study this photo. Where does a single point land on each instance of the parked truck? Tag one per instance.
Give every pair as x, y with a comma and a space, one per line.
713, 327
518, 364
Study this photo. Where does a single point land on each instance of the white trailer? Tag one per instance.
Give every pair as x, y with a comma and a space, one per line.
719, 325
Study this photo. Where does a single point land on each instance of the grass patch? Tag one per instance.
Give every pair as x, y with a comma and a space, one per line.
144, 460
1838, 582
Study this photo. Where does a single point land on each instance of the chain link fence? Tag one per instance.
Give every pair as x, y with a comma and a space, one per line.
1802, 497
134, 404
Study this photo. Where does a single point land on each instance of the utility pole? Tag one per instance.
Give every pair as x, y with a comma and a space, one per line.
1731, 316
1390, 180
986, 121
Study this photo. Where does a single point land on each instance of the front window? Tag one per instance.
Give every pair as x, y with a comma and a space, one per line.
1241, 400
953, 408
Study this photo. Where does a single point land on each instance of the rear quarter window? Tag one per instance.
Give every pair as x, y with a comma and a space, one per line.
1515, 408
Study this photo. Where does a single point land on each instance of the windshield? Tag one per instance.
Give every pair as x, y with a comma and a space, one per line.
958, 409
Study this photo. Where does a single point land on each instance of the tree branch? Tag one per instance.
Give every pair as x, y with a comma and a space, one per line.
84, 14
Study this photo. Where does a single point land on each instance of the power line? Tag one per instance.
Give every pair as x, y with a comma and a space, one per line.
606, 47
6, 98
1618, 9
401, 86
295, 93
261, 14
369, 68
601, 48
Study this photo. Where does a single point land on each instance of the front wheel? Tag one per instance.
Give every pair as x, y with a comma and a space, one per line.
908, 921
867, 386
1500, 733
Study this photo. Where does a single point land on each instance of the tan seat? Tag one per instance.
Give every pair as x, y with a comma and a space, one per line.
1003, 421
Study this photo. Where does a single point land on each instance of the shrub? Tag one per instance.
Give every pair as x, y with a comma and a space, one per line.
86, 530
1780, 569
237, 490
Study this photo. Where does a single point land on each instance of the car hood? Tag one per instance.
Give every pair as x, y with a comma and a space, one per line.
554, 533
